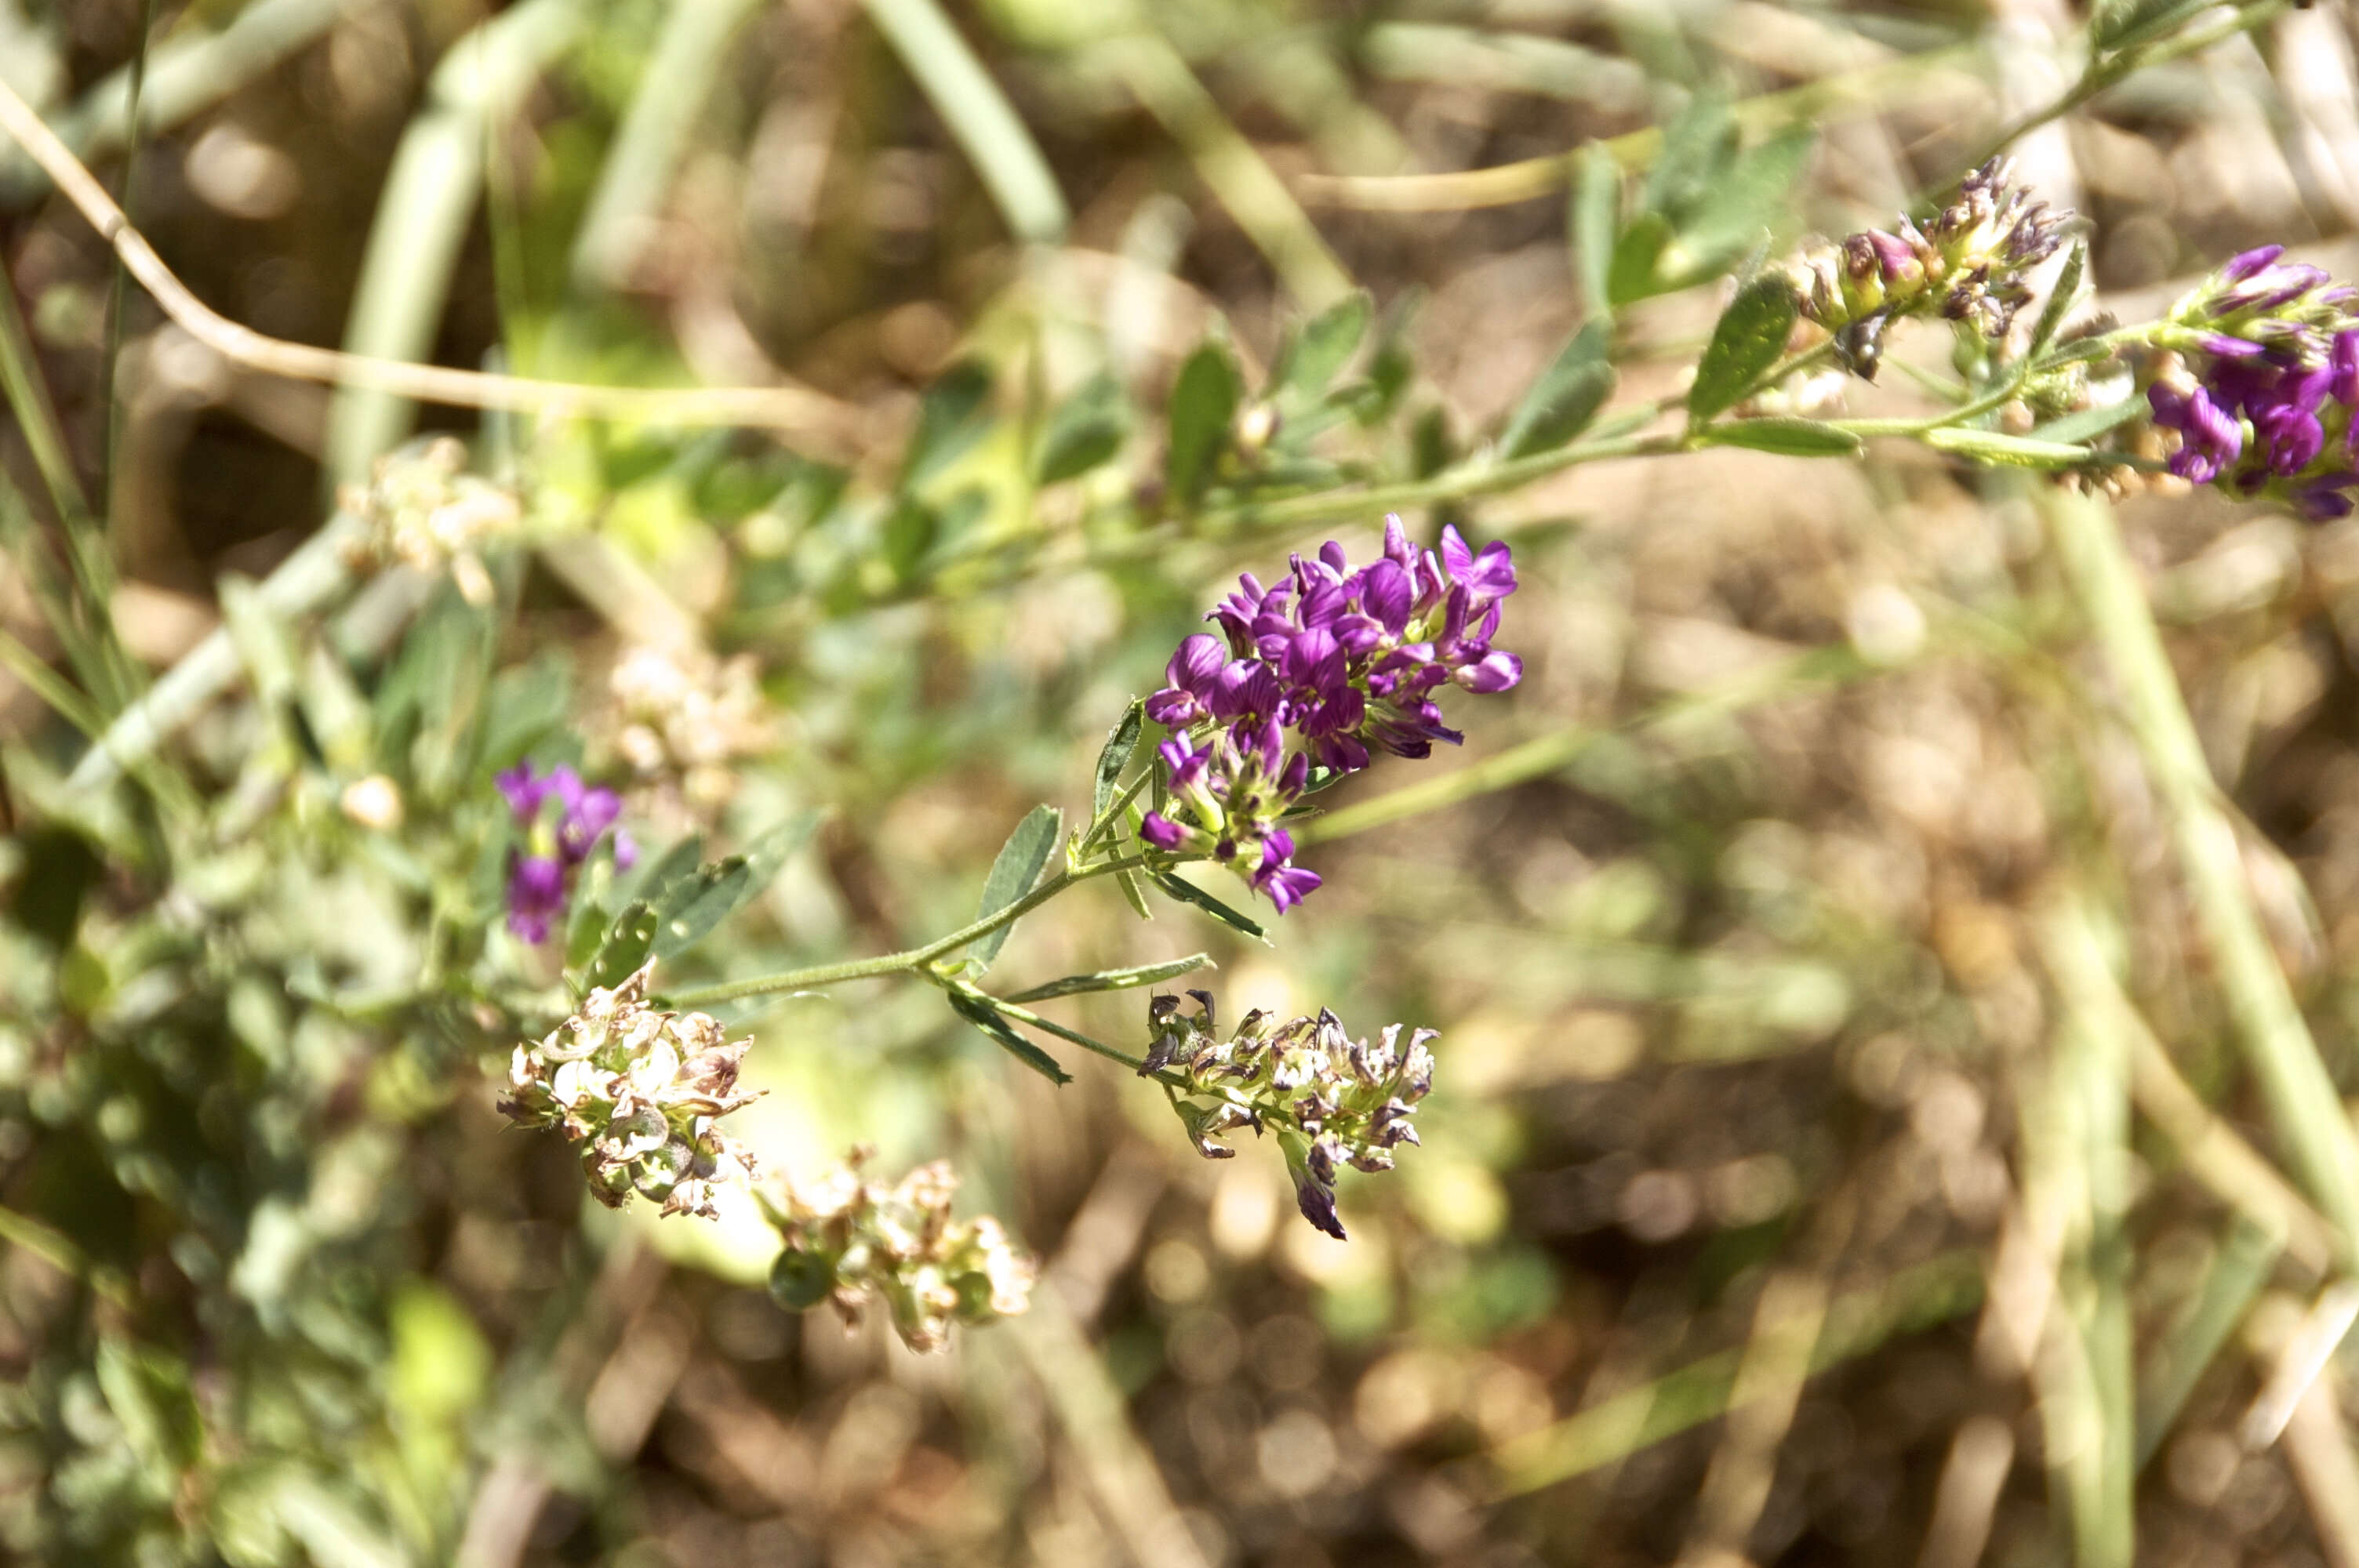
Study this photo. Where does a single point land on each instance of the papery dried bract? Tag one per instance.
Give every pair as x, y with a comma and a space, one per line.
640, 1090
1333, 1100
847, 1240
1967, 263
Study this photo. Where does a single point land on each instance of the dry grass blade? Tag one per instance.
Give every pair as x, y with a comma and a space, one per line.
826, 425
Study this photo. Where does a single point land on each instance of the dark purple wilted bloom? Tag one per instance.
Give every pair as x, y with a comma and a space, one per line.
1335, 661
1966, 263
540, 876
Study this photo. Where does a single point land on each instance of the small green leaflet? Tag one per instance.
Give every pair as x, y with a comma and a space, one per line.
1012, 875
1121, 743
1189, 892
2009, 451
1004, 1033
1564, 399
1203, 405
1114, 979
1750, 339
1794, 438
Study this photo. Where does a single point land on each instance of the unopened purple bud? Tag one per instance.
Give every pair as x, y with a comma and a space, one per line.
2342, 361
2228, 348
2250, 262
1161, 831
1497, 671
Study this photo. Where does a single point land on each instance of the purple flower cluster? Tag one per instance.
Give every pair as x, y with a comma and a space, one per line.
2271, 409
540, 875
1342, 659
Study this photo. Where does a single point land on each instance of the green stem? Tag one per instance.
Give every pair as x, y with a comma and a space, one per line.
2104, 74
2303, 1103
906, 962
1114, 809
1026, 1015
1457, 484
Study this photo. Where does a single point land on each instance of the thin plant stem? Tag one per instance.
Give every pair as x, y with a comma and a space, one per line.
1154, 72
984, 124
1530, 179
826, 424
2111, 70
2304, 1105
118, 297
1026, 1015
909, 960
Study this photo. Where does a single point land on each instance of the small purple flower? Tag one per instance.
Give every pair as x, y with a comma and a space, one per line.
1323, 664
1194, 673
536, 895
1285, 884
539, 877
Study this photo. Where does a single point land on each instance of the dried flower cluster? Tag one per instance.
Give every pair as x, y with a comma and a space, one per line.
1332, 1100
683, 718
1966, 263
423, 510
541, 874
2269, 410
847, 1240
1343, 658
640, 1090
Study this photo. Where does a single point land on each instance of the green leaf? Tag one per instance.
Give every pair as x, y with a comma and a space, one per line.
628, 942
952, 418
2009, 451
1189, 892
1591, 219
1794, 438
1121, 744
1564, 399
1740, 208
1113, 979
2088, 424
151, 1398
1132, 894
1324, 345
2067, 286
1631, 276
1696, 146
2127, 25
1012, 875
676, 862
692, 906
1082, 432
911, 529
1002, 1033
1750, 339
587, 930
1203, 406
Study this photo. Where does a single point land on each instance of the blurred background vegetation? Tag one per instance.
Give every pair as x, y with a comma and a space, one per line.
1840, 1151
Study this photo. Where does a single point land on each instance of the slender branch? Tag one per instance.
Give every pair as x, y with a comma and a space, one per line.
1457, 484
2110, 71
909, 961
809, 416
1530, 179
1026, 1015
2304, 1105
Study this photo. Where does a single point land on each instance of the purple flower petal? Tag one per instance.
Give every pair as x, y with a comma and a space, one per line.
2245, 264
1497, 671
1161, 831
523, 792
